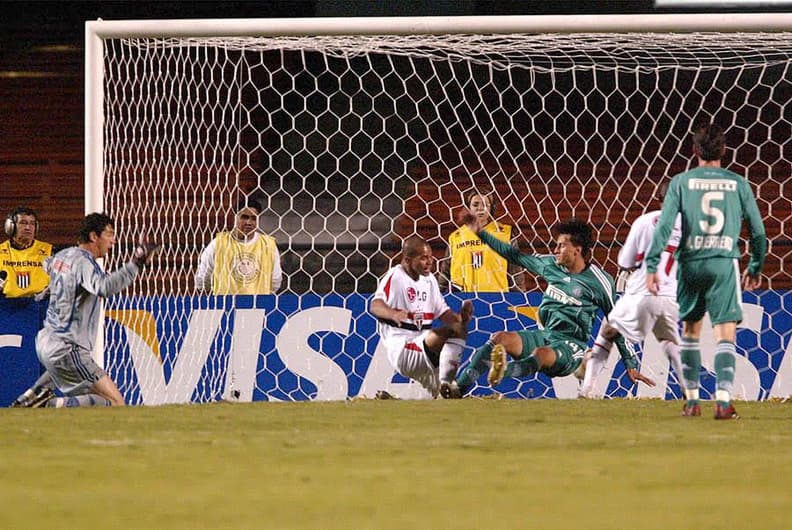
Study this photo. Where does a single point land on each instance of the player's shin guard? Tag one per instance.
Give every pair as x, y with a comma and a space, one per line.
85, 400
724, 371
478, 363
522, 367
671, 351
449, 359
690, 354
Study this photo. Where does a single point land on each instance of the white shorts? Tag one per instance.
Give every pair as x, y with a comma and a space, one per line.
635, 316
409, 358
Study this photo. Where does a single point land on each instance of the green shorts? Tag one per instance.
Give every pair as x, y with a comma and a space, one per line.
709, 285
569, 352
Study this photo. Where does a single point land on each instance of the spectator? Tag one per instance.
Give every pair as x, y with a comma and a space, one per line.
22, 255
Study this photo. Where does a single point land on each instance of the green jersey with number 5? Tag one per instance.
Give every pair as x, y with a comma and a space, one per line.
713, 202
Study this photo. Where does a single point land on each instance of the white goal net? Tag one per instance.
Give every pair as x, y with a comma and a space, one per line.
352, 142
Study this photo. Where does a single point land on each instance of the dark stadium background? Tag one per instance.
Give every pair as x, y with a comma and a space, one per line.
41, 78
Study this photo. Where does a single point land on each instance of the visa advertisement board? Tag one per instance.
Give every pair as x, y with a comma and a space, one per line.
325, 347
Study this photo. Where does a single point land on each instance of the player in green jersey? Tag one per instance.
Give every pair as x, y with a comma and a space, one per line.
712, 202
576, 291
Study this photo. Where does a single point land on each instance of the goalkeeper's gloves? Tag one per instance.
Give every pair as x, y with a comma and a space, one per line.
143, 253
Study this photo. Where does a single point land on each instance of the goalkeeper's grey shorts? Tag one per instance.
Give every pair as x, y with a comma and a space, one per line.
71, 367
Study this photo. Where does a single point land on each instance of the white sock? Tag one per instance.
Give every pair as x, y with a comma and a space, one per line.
671, 351
449, 359
599, 356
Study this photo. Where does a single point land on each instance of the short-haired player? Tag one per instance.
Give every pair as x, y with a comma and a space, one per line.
405, 304
713, 202
65, 343
576, 291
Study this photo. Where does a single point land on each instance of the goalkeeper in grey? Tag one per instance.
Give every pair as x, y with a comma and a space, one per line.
65, 343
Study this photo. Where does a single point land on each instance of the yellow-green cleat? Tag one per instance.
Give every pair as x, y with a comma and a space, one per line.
497, 366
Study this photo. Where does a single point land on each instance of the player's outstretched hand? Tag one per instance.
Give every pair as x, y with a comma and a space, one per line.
635, 376
464, 216
144, 251
749, 282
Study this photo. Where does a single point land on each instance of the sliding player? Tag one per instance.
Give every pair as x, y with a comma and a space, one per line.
576, 291
405, 304
638, 313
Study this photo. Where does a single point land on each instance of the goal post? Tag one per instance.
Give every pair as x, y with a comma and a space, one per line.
357, 132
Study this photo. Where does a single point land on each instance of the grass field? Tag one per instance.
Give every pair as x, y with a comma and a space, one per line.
397, 464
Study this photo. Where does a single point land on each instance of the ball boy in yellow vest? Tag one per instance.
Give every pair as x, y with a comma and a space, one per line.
241, 261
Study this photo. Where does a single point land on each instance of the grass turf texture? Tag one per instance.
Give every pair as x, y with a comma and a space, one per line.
397, 464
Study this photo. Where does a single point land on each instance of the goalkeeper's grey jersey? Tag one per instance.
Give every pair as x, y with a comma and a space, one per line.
76, 284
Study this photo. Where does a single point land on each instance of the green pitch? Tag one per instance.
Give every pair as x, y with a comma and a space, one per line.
397, 464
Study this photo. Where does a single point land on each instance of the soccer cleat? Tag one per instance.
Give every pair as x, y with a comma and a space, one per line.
691, 409
450, 390
37, 401
384, 394
725, 413
497, 366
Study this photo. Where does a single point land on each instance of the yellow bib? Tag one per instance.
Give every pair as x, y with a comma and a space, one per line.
475, 267
26, 275
243, 268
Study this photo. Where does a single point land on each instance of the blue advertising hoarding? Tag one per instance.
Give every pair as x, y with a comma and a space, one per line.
325, 347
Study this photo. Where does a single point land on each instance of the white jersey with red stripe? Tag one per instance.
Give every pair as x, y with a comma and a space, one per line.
421, 298
404, 341
635, 248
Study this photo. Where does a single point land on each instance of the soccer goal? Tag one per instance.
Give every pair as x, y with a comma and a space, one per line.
354, 133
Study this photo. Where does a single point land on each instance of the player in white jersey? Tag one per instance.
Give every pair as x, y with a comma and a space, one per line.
638, 313
405, 304
64, 344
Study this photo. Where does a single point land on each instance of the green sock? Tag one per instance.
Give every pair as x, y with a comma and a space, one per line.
522, 367
724, 371
691, 363
477, 366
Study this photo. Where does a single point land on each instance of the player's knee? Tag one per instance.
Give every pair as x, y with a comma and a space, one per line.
501, 337
545, 356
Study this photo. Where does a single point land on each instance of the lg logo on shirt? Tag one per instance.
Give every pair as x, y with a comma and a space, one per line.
413, 295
